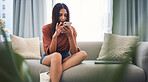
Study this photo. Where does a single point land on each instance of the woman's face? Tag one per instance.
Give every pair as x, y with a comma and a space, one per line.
63, 15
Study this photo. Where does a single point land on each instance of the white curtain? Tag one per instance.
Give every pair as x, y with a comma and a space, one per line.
29, 16
91, 18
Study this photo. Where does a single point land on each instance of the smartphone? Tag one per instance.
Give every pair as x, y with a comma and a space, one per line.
67, 23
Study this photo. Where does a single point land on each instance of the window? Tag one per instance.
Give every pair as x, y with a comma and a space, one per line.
3, 15
4, 22
90, 18
3, 7
6, 12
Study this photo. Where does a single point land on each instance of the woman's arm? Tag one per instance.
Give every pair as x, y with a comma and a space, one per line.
73, 46
53, 45
72, 42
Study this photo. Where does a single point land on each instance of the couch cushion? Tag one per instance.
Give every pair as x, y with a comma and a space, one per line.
36, 68
29, 48
41, 49
118, 48
87, 71
91, 48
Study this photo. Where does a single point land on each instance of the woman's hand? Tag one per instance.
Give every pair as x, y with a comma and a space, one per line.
58, 29
68, 30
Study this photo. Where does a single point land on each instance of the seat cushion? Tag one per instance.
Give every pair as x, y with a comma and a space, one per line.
87, 71
36, 68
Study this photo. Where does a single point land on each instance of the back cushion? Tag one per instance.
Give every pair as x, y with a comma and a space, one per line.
91, 48
41, 48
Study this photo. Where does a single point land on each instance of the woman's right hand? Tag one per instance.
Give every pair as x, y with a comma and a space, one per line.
58, 29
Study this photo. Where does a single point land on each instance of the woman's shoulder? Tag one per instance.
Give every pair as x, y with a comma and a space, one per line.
73, 28
47, 27
74, 31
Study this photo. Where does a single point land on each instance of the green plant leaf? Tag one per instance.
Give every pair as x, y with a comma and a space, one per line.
13, 67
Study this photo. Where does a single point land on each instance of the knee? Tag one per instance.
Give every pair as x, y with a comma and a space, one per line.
56, 57
83, 53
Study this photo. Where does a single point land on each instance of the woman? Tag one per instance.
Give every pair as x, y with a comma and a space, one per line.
59, 42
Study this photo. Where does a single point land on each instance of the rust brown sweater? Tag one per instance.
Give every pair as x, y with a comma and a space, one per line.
62, 39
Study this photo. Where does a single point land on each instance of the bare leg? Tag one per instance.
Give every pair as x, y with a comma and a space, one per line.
73, 60
55, 62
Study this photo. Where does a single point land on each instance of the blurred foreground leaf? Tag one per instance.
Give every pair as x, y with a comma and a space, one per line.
13, 67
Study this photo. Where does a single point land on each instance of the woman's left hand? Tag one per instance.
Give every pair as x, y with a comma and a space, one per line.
68, 30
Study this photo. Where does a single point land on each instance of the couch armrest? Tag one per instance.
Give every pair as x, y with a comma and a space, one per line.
141, 58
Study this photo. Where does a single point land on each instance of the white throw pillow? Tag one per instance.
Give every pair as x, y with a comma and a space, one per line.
117, 48
29, 48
